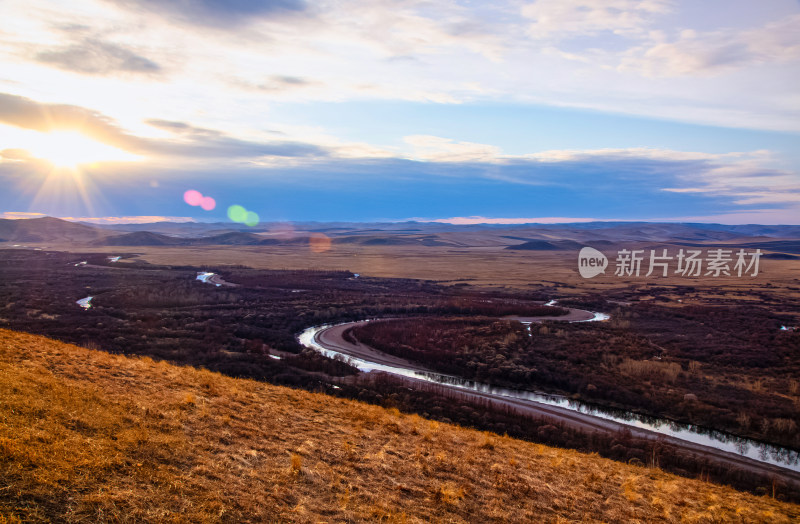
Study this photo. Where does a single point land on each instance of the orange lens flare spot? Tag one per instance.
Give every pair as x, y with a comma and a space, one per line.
283, 231
319, 243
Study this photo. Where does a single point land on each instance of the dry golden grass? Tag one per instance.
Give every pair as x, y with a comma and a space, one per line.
90, 437
480, 266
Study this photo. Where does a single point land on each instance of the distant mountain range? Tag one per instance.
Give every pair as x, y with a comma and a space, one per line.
645, 228
526, 237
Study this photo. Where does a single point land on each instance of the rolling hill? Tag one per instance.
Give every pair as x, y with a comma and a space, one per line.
233, 238
522, 237
89, 436
142, 238
48, 229
544, 245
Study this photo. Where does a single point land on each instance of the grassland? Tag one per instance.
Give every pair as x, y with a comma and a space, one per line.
86, 436
476, 266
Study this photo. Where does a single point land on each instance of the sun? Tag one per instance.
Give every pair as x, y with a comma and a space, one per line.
70, 149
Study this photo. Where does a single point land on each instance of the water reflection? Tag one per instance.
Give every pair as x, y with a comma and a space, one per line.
85, 303
204, 276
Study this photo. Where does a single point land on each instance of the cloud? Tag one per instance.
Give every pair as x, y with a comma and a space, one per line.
20, 215
515, 220
743, 178
751, 216
199, 142
280, 83
128, 219
28, 114
15, 154
558, 186
574, 155
715, 52
745, 182
560, 19
437, 149
218, 145
170, 125
288, 81
194, 143
416, 29
96, 57
639, 176
646, 47
785, 216
574, 53
221, 14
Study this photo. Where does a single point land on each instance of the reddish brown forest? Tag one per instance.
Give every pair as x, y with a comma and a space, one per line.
727, 367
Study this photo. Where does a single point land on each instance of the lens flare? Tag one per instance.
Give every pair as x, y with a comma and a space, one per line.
283, 231
208, 203
251, 219
237, 213
196, 198
192, 197
319, 242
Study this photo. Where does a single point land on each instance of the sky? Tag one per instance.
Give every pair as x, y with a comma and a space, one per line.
455, 111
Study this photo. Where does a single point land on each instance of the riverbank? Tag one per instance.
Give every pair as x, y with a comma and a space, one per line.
731, 451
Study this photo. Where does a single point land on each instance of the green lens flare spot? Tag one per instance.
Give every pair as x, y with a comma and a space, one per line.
251, 219
237, 213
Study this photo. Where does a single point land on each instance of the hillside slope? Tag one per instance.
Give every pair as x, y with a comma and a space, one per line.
88, 436
48, 229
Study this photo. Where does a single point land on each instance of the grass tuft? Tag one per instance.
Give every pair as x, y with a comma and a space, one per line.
295, 463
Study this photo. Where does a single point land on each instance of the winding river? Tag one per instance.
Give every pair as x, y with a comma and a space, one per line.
327, 340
